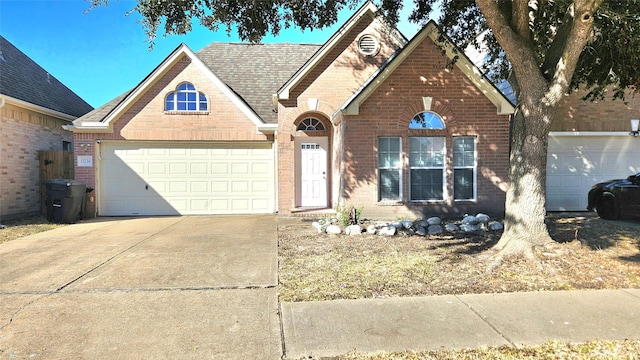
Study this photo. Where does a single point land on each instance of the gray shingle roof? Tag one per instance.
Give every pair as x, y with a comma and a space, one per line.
21, 78
256, 71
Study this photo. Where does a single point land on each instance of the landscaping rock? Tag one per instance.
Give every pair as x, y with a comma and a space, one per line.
318, 226
371, 229
451, 227
469, 220
388, 231
353, 230
435, 229
396, 224
334, 230
483, 218
420, 230
496, 226
424, 223
434, 221
407, 224
469, 227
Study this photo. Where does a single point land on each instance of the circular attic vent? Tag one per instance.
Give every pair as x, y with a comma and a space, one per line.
368, 45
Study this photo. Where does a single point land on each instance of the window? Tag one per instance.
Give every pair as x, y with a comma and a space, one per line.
389, 169
426, 164
310, 124
186, 98
427, 120
464, 167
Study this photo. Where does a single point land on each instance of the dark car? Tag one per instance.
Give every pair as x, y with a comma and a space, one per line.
614, 199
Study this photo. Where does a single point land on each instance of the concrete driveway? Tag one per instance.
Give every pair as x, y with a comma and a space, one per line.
152, 288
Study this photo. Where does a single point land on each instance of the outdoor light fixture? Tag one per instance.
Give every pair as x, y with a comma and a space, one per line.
634, 127
85, 145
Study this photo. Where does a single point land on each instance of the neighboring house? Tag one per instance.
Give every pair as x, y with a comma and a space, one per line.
589, 143
33, 107
366, 119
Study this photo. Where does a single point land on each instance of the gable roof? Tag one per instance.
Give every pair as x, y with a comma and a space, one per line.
26, 83
367, 9
256, 71
101, 120
502, 103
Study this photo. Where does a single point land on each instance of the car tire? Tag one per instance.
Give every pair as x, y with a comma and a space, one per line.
607, 208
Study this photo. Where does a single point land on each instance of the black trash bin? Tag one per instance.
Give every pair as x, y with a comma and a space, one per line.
65, 200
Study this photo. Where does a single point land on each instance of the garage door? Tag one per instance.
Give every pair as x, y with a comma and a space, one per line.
186, 178
575, 163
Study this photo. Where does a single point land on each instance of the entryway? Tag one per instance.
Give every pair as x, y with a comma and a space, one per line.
311, 167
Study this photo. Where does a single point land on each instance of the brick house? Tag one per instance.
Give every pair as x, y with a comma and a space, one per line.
367, 119
33, 107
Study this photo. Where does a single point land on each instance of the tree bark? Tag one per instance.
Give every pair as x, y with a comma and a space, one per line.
525, 206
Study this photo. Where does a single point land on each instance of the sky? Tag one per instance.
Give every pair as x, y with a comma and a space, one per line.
102, 53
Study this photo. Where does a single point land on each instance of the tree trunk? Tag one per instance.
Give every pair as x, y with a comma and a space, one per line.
525, 207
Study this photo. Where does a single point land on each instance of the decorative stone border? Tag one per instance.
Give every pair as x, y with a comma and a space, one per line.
423, 227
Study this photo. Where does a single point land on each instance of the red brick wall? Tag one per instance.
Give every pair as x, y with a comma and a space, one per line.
146, 119
388, 111
23, 134
575, 114
334, 79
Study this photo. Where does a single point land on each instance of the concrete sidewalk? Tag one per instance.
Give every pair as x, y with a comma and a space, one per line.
331, 328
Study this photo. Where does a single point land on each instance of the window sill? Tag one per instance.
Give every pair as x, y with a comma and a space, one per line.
186, 112
427, 202
466, 201
390, 203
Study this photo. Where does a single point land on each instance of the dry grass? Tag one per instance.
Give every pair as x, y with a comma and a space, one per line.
590, 253
594, 254
628, 349
16, 229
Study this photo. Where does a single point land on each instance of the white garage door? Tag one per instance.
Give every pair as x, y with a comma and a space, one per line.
186, 178
575, 163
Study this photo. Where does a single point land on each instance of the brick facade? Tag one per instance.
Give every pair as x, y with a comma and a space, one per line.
575, 114
333, 80
146, 120
24, 133
388, 112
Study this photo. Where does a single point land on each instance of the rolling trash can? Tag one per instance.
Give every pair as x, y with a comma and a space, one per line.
64, 200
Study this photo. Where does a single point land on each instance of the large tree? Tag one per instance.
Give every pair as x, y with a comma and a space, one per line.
544, 48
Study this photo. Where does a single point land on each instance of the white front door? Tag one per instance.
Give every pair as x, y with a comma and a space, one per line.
313, 174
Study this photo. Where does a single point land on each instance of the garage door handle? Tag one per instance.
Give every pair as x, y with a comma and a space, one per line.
146, 187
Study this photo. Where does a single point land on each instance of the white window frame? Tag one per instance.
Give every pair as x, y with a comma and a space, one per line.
467, 167
398, 168
200, 98
443, 167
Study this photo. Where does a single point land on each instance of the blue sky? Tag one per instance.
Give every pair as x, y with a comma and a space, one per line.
103, 53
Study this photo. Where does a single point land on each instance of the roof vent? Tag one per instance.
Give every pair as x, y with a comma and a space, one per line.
368, 45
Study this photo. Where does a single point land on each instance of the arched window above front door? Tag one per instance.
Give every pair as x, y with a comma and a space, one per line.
310, 124
427, 120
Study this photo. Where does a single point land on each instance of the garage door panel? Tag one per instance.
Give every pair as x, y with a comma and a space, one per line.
575, 163
168, 179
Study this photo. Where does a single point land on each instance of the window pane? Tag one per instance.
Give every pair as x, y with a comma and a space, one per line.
169, 104
426, 151
191, 97
203, 102
426, 120
464, 151
389, 152
191, 106
182, 105
463, 184
389, 183
186, 86
427, 184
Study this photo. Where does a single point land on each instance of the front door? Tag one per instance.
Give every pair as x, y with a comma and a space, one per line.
313, 174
